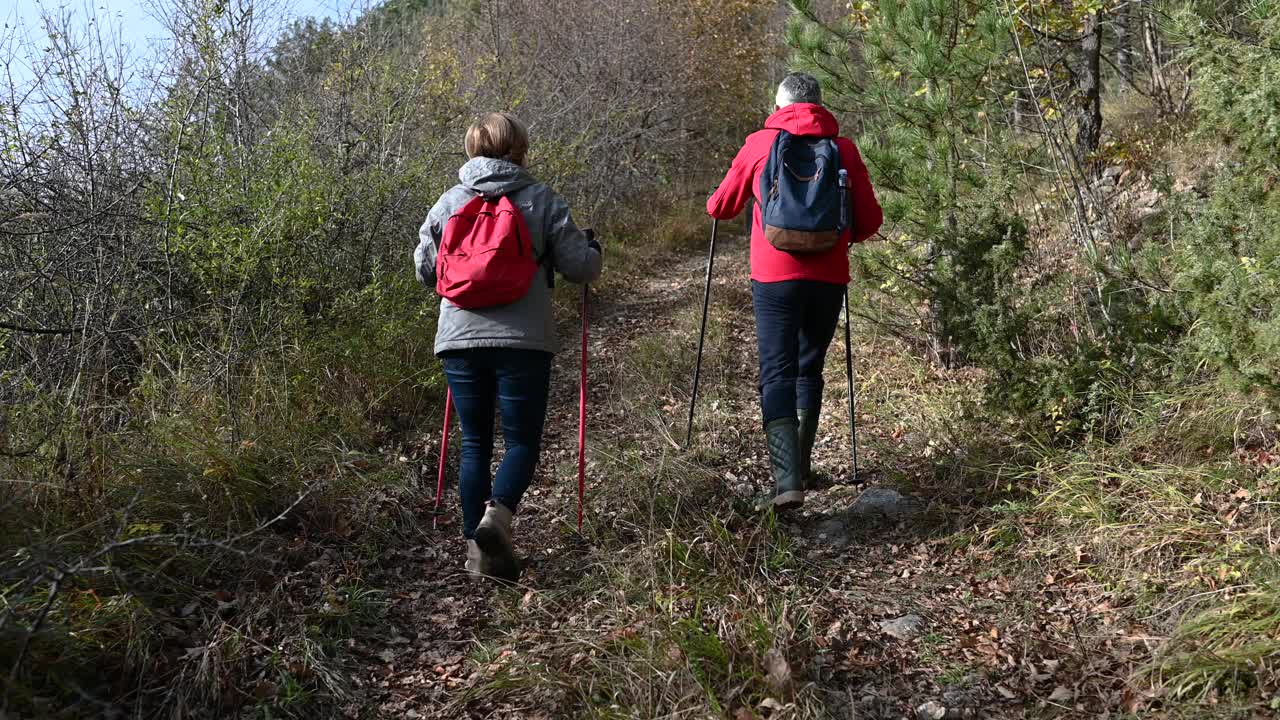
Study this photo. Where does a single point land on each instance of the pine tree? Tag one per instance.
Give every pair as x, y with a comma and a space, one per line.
918, 76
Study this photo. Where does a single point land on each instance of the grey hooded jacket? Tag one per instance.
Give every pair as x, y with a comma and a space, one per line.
525, 324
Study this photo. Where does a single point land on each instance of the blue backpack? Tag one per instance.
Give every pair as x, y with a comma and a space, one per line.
803, 191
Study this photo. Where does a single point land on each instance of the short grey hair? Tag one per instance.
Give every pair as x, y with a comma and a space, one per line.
798, 87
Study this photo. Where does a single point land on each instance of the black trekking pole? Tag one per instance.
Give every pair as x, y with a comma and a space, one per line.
702, 335
848, 369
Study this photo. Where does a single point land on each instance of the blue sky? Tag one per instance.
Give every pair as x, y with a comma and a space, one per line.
135, 19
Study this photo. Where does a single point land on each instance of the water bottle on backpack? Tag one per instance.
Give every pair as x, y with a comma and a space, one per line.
844, 195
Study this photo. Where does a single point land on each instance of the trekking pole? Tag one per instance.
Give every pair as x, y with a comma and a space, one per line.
444, 453
848, 369
582, 410
702, 335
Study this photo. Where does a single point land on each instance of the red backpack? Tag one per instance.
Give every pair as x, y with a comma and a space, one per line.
486, 256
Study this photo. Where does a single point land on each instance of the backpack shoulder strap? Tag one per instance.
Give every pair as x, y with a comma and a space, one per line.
469, 211
773, 166
470, 208
835, 150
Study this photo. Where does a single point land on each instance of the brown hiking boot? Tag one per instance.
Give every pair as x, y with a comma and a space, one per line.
477, 565
493, 536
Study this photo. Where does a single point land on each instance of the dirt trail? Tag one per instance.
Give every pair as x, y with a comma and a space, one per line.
908, 620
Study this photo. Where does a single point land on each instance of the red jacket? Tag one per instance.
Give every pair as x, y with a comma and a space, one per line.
742, 183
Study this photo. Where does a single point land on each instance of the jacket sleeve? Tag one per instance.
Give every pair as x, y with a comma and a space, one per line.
571, 256
735, 190
867, 215
424, 257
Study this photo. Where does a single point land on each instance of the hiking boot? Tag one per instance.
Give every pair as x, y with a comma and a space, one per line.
808, 433
494, 538
784, 460
477, 564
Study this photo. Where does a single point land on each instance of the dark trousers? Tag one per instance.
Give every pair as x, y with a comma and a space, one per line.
795, 321
515, 383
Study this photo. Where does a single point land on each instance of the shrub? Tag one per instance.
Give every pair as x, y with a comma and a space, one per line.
1227, 262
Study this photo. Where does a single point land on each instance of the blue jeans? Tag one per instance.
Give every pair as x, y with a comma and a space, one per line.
516, 384
795, 321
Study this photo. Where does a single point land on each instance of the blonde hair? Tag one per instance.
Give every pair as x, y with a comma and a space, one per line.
498, 135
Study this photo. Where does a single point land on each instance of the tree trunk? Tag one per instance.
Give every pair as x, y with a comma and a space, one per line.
1155, 59
1089, 134
1124, 41
939, 336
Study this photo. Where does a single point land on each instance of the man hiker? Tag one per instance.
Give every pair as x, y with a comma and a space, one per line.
813, 201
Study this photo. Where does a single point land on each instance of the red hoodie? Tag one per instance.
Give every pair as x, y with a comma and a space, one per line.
742, 183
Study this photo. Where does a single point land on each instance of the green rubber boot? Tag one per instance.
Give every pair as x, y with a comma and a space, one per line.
808, 433
784, 460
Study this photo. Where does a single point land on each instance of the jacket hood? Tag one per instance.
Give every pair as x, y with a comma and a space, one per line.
492, 177
804, 119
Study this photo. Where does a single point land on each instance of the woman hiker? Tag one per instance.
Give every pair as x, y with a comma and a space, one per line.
494, 337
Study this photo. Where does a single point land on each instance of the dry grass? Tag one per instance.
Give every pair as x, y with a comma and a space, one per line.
1168, 530
686, 607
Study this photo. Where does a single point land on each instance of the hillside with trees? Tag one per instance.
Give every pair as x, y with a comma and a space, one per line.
220, 409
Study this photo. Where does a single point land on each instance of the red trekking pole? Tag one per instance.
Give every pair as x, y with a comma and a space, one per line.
582, 410
444, 453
